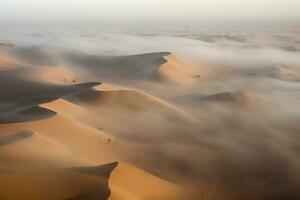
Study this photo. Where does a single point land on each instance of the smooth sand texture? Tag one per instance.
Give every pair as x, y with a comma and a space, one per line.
143, 66
57, 74
34, 151
160, 128
142, 186
135, 112
21, 103
43, 137
55, 184
181, 71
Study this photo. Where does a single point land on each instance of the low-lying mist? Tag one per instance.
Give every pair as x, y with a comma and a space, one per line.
241, 140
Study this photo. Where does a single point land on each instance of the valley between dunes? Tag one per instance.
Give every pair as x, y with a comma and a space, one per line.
130, 128
50, 148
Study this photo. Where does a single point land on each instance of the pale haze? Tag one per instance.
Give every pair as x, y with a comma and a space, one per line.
156, 10
149, 99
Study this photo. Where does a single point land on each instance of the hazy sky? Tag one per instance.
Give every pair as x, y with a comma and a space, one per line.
61, 10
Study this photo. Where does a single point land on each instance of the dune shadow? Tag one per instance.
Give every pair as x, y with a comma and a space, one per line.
13, 138
133, 66
20, 97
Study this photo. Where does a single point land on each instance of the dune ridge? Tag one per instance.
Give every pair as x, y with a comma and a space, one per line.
79, 126
22, 103
44, 130
56, 183
125, 188
43, 135
131, 99
57, 75
162, 66
134, 66
180, 71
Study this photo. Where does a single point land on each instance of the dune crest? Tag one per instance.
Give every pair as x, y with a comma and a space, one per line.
104, 87
181, 71
143, 186
54, 184
65, 108
129, 99
154, 117
161, 66
31, 149
57, 75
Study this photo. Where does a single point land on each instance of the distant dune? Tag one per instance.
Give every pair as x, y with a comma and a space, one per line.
235, 98
181, 71
141, 127
152, 66
134, 67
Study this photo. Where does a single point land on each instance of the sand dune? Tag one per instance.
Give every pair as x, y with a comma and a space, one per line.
5, 140
57, 75
79, 142
33, 56
25, 89
26, 149
181, 71
163, 134
128, 108
65, 108
53, 184
282, 72
162, 66
69, 133
29, 114
130, 99
144, 186
235, 98
136, 66
104, 87
21, 103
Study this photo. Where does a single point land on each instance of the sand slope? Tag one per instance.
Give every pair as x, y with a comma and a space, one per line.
56, 74
77, 183
163, 66
133, 67
21, 103
181, 71
142, 187
130, 109
57, 133
32, 149
77, 143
